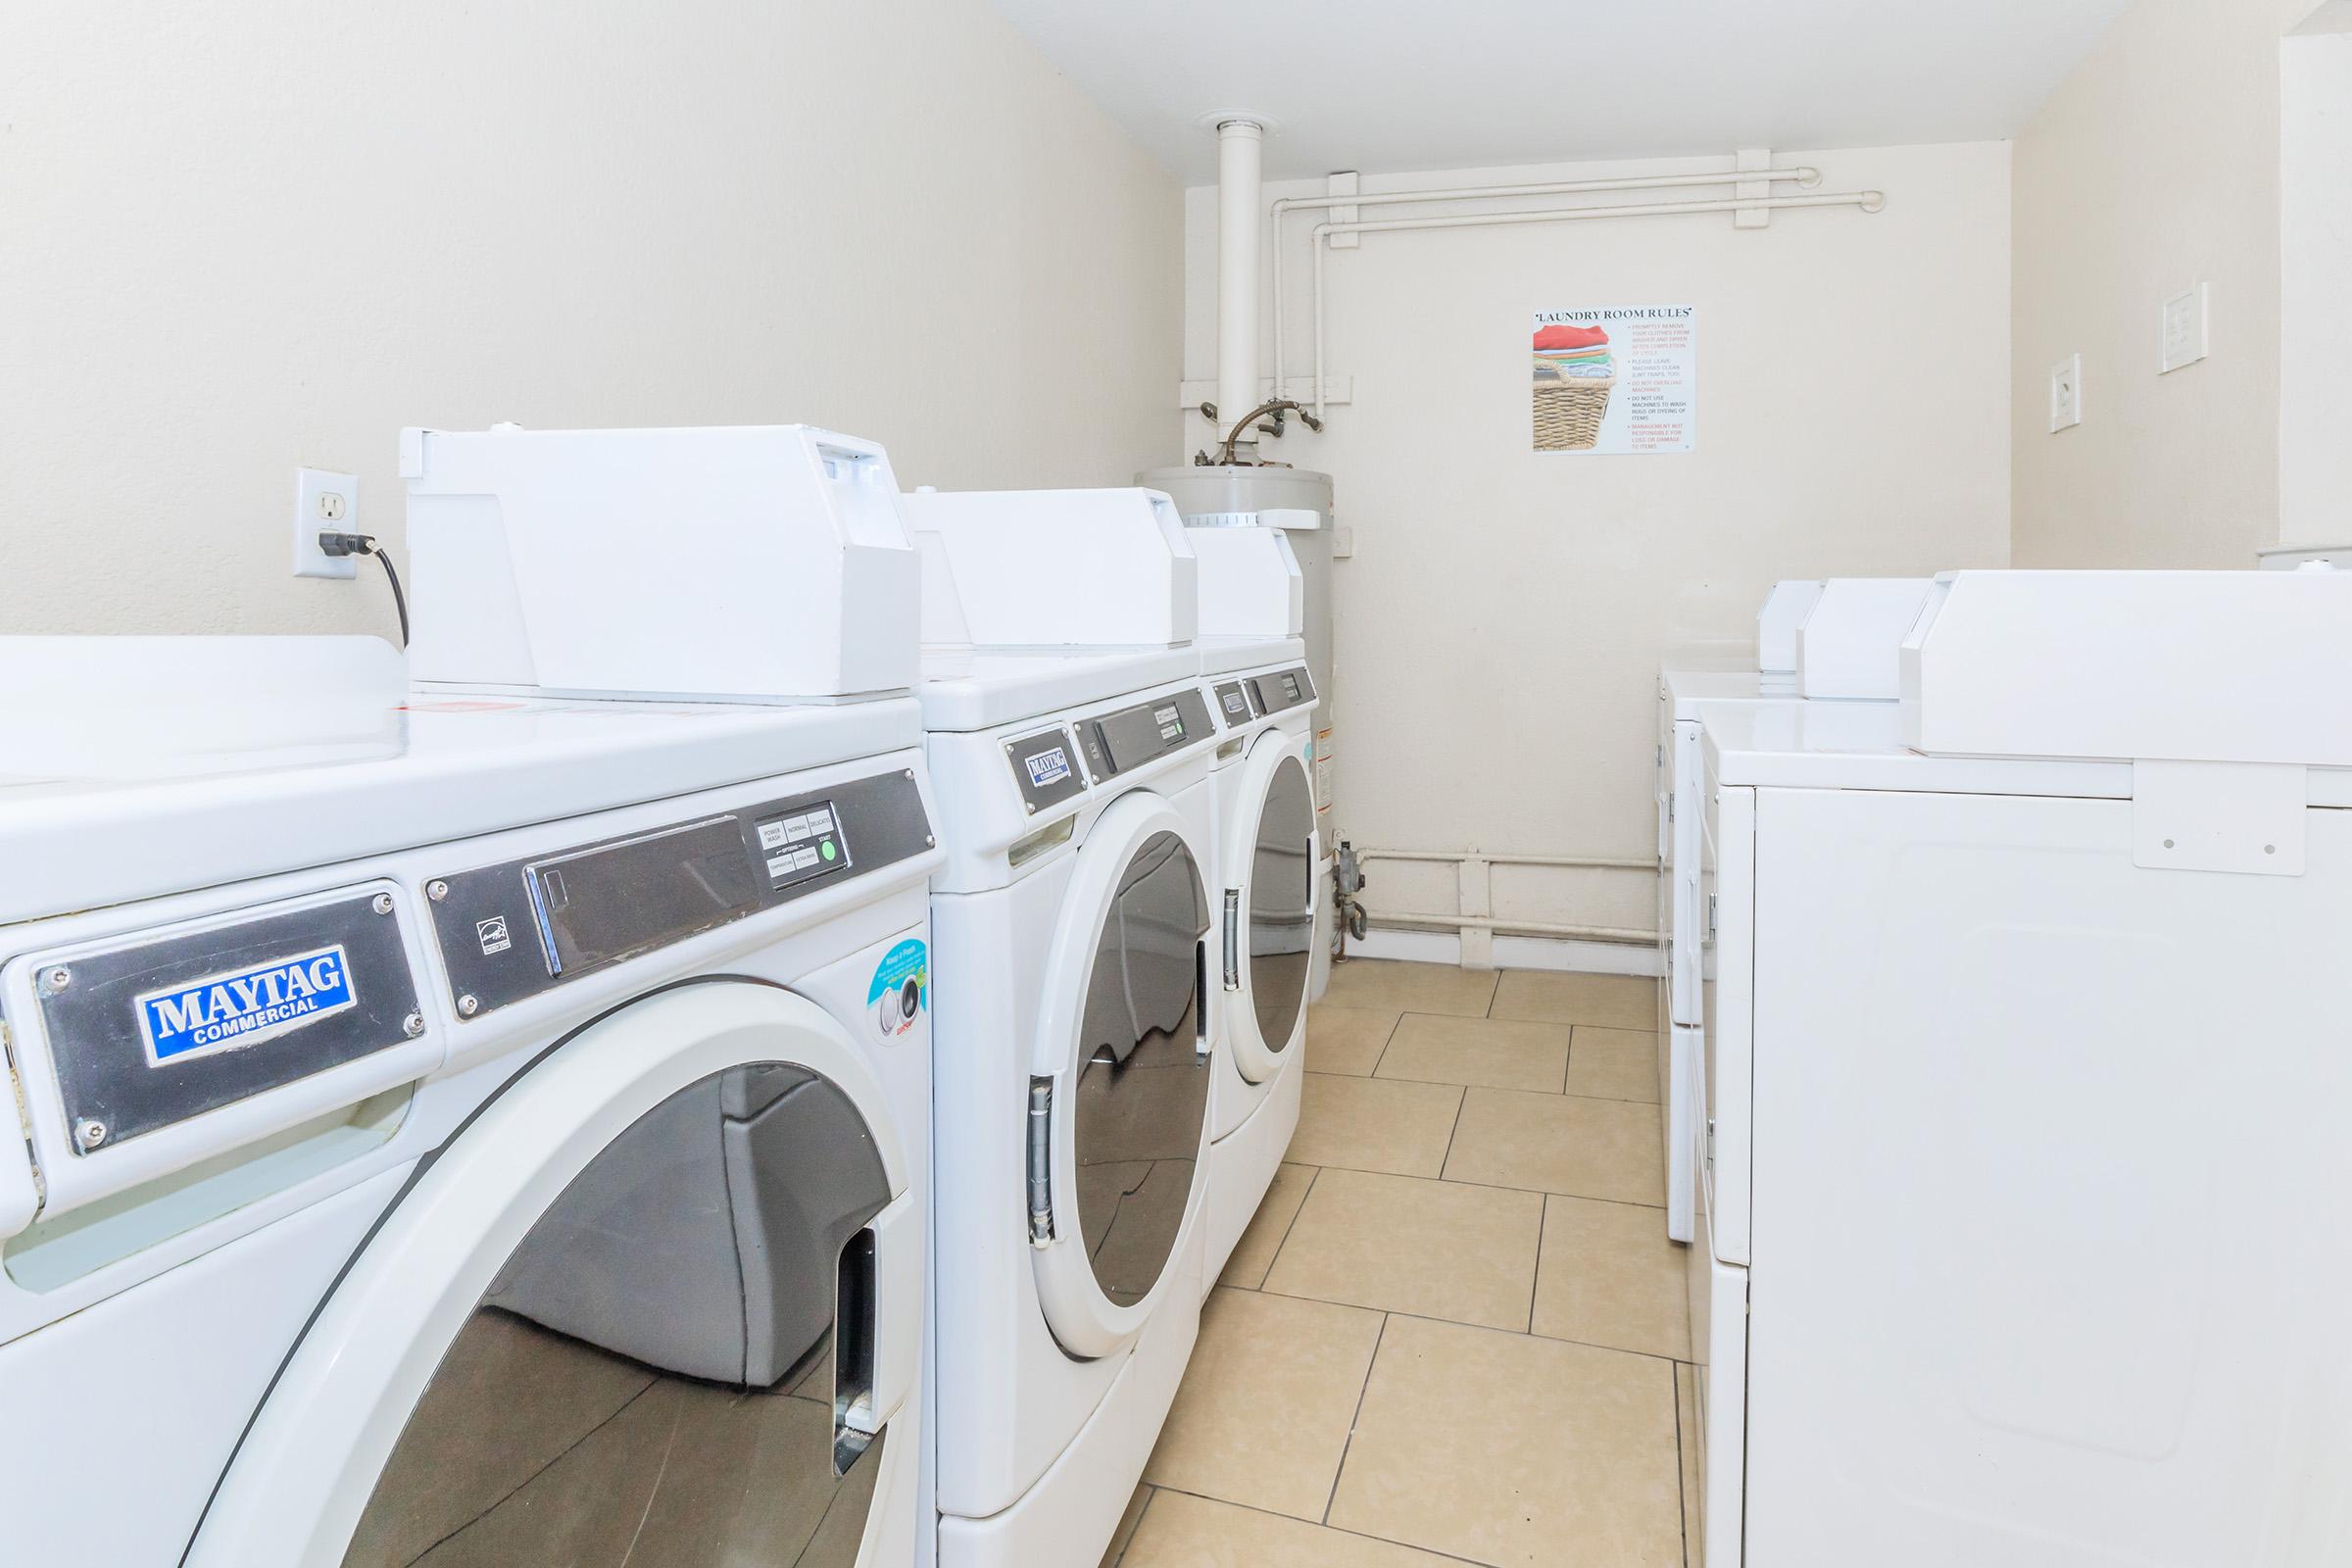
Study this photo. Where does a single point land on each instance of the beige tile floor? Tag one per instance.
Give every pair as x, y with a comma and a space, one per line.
1455, 1332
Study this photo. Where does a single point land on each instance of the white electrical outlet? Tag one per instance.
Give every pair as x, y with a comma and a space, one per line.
2181, 330
2066, 393
324, 503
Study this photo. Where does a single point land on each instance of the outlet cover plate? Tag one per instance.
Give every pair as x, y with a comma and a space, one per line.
2181, 330
2066, 393
323, 502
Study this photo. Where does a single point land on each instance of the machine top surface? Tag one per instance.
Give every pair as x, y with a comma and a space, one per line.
964, 689
112, 792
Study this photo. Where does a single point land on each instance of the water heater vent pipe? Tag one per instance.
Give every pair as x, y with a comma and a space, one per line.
1240, 142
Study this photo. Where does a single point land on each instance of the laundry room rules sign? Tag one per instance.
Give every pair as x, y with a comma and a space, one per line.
1617, 378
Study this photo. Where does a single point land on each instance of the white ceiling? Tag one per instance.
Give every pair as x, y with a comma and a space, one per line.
1406, 85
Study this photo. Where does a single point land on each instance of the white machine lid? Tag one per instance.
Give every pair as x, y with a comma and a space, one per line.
1850, 642
2201, 666
1221, 655
141, 800
1784, 610
1062, 569
1859, 746
965, 689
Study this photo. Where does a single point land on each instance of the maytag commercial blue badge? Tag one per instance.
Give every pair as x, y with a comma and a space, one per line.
244, 1006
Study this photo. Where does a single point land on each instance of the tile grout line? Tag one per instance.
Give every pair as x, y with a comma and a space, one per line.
1535, 1286
1387, 1312
1261, 1286
1499, 1187
1337, 1530
1461, 1098
1353, 1416
1681, 1469
1153, 1497
1387, 1041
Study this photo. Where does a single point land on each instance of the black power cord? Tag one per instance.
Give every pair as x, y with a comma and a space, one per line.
332, 543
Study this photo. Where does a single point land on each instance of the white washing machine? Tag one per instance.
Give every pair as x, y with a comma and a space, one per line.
1268, 867
2027, 1077
1073, 1060
1836, 640
455, 1129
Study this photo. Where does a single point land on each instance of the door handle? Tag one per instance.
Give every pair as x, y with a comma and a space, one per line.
856, 1424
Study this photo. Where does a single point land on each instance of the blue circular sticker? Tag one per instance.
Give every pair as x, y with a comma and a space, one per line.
896, 997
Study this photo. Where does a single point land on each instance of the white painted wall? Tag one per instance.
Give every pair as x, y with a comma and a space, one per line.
2315, 305
238, 239
2154, 165
1499, 628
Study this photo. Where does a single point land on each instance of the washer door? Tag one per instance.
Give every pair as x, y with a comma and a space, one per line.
1270, 914
1119, 1089
659, 1301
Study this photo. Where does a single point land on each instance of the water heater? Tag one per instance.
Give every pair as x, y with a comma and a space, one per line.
1298, 502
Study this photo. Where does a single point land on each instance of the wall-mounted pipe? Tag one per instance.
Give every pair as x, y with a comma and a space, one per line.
1574, 863
1805, 176
1625, 935
1870, 201
1473, 865
1239, 145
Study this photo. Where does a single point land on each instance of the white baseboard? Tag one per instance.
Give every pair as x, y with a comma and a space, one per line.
1512, 953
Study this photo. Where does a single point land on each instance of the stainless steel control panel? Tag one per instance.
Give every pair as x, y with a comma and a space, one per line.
1234, 706
515, 929
1282, 689
1120, 742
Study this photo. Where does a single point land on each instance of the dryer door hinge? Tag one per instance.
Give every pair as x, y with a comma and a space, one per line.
1233, 939
1041, 1161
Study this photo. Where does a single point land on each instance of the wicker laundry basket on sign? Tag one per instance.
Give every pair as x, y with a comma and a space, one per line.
1569, 409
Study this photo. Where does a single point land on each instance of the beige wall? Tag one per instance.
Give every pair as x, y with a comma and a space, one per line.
1499, 628
2315, 242
237, 240
2153, 167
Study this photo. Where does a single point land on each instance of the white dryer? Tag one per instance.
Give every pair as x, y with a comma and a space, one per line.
1073, 1057
1838, 639
457, 1128
1268, 862
2023, 1275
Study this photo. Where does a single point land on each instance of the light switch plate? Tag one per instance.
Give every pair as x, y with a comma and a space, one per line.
2066, 393
323, 502
2181, 330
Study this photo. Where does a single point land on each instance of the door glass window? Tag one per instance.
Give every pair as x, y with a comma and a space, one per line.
1282, 906
664, 1370
1142, 1083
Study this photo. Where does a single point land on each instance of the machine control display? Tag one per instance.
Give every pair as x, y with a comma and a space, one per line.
1045, 769
1119, 742
1282, 689
803, 846
513, 929
1233, 704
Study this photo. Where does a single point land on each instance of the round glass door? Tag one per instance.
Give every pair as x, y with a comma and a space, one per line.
669, 1367
1281, 933
1143, 1079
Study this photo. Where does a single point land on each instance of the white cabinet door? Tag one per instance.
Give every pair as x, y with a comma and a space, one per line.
2049, 1172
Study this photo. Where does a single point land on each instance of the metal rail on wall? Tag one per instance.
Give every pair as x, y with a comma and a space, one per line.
1477, 922
1751, 186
